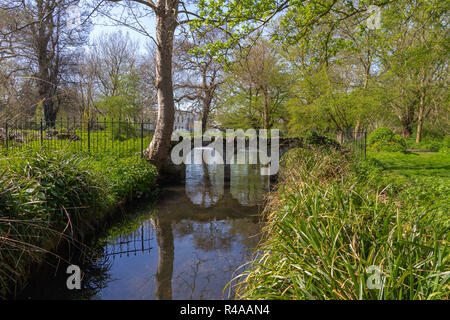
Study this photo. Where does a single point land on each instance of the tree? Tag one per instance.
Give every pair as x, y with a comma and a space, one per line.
255, 89
168, 17
199, 76
323, 98
415, 60
43, 37
112, 77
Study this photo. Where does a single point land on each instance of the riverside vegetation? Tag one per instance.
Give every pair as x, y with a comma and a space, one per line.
332, 218
47, 198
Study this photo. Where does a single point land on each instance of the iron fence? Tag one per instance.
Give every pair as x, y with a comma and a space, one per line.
354, 140
350, 139
122, 137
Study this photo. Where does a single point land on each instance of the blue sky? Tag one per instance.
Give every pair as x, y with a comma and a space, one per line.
104, 24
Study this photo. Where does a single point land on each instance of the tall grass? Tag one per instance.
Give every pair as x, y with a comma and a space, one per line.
330, 225
49, 197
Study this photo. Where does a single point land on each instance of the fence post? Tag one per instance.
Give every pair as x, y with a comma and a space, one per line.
89, 135
142, 138
365, 143
6, 136
41, 133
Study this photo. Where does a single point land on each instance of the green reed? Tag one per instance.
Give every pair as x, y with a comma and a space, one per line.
331, 223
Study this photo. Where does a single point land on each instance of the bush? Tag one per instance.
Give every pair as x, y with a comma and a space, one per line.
384, 139
45, 197
445, 150
128, 177
427, 144
446, 142
317, 140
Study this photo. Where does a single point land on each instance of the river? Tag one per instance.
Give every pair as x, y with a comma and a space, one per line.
187, 245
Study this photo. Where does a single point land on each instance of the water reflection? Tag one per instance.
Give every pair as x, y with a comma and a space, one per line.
246, 184
205, 183
189, 245
164, 237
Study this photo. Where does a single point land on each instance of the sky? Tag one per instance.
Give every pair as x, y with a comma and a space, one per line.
102, 24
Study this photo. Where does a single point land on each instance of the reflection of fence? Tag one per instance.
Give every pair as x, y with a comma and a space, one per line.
126, 244
123, 137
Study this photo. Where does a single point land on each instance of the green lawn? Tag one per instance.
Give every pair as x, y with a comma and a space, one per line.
415, 164
420, 179
98, 143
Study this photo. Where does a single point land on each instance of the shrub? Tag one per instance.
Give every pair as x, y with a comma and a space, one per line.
379, 134
427, 144
445, 150
317, 140
445, 145
45, 197
384, 139
127, 177
446, 142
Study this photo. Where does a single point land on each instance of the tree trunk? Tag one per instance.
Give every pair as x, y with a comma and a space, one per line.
420, 118
164, 238
366, 82
50, 113
407, 119
205, 112
266, 109
356, 131
47, 92
419, 126
47, 58
406, 129
166, 22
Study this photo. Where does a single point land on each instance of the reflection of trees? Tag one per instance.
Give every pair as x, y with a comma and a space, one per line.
211, 235
164, 237
204, 183
185, 276
96, 278
246, 184
249, 230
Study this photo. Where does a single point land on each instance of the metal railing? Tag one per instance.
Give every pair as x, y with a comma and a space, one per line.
122, 137
354, 140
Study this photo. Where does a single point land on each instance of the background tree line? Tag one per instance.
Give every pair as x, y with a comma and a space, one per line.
265, 64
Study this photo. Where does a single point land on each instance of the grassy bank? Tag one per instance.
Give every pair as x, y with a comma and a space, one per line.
334, 224
50, 197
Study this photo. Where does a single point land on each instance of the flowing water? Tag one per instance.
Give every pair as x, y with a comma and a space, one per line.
186, 246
